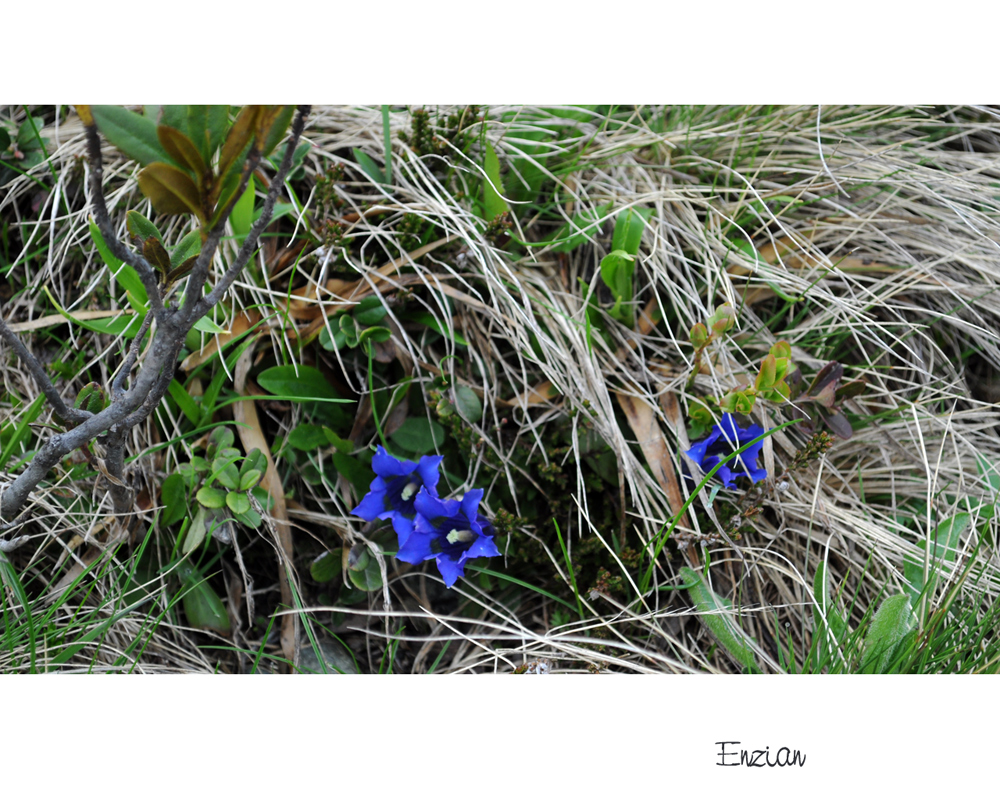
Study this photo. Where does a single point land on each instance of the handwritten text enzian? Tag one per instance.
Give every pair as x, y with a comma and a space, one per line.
783, 757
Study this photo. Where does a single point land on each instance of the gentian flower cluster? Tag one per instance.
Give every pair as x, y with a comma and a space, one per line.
726, 437
451, 532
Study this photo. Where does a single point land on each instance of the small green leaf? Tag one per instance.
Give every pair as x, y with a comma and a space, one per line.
469, 406
493, 203
307, 437
718, 618
202, 606
221, 438
249, 479
297, 383
206, 325
418, 435
255, 460
242, 216
238, 502
893, 620
326, 567
124, 274
211, 497
131, 133
355, 471
628, 229
194, 535
141, 228
368, 166
368, 579
369, 311
225, 473
186, 248
276, 123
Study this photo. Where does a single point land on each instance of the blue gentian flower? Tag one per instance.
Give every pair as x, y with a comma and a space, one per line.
450, 531
725, 438
393, 492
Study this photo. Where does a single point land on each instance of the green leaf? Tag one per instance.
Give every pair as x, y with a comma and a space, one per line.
493, 203
188, 247
279, 123
206, 325
829, 624
249, 479
470, 407
715, 613
225, 473
206, 126
22, 430
210, 497
4, 140
368, 579
237, 142
182, 150
173, 495
202, 606
238, 502
368, 166
369, 311
140, 228
297, 383
628, 229
944, 548
358, 473
124, 274
255, 460
126, 325
185, 402
893, 620
307, 437
418, 435
171, 190
242, 217
131, 133
327, 566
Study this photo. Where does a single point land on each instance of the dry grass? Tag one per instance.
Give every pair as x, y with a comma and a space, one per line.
884, 221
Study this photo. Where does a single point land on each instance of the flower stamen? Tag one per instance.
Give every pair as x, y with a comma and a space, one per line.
455, 536
408, 491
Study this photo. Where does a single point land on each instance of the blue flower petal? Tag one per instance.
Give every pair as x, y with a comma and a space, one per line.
403, 527
725, 438
372, 504
470, 503
432, 507
385, 466
428, 470
417, 547
482, 547
450, 570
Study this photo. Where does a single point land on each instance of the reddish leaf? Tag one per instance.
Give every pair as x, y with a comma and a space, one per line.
171, 190
182, 150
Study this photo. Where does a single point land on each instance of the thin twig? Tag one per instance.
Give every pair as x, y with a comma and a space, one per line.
119, 250
70, 415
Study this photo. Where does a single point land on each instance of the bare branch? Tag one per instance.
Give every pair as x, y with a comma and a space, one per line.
199, 273
119, 250
118, 384
70, 415
250, 243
